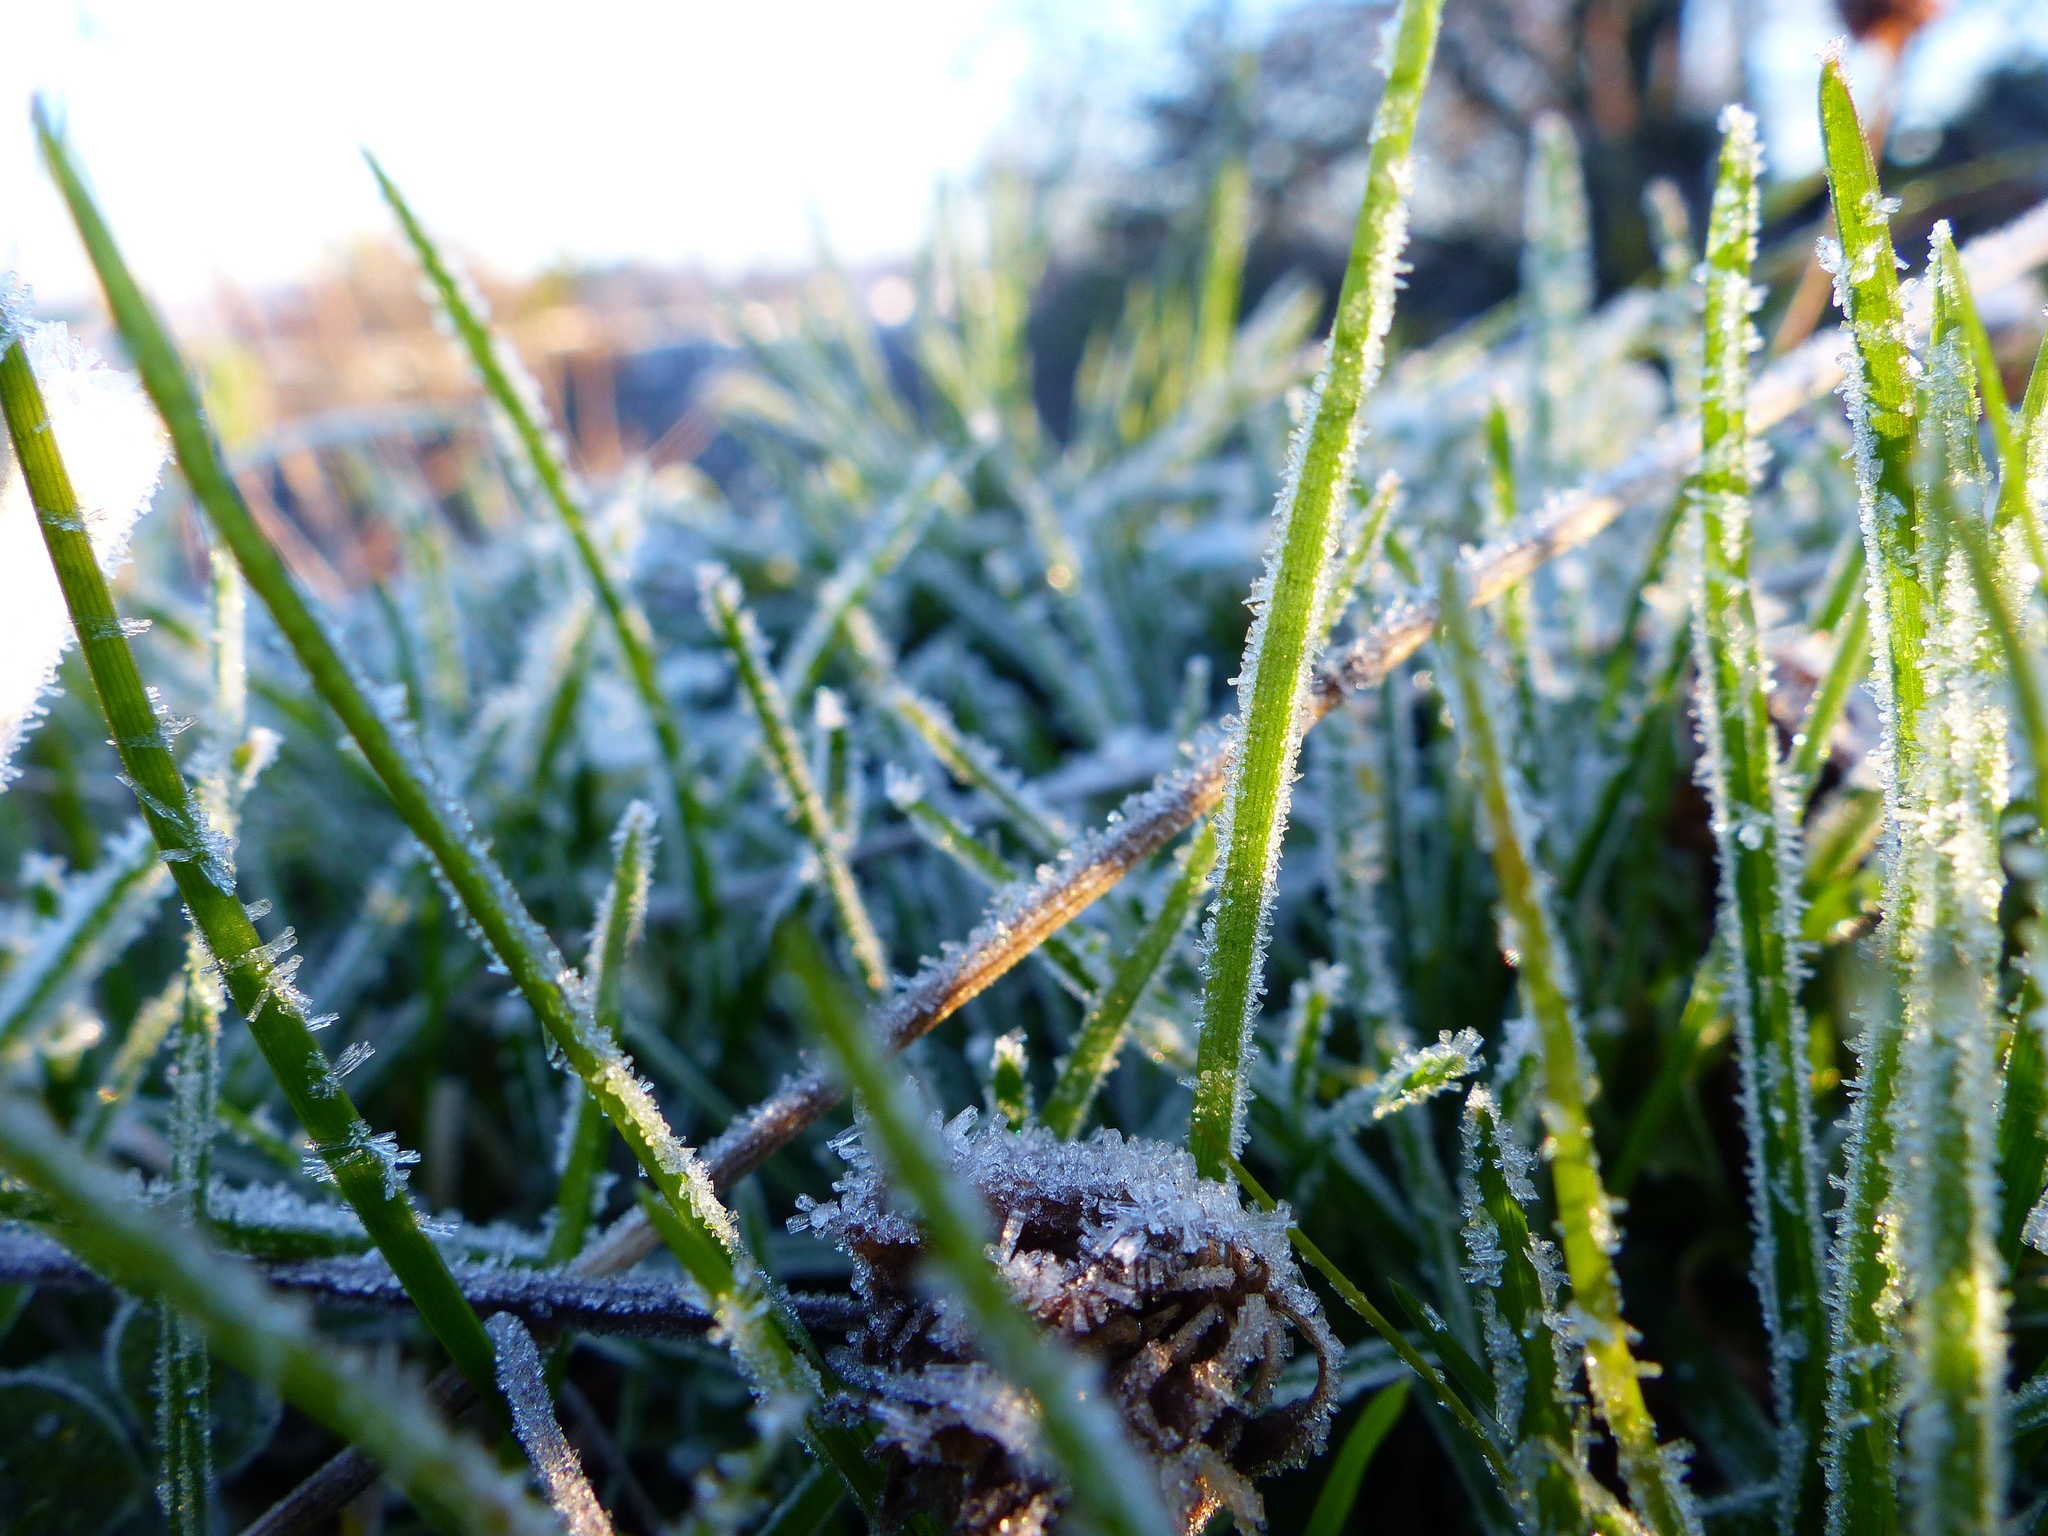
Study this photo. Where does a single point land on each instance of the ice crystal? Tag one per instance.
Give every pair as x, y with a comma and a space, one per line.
1190, 1302
1422, 1072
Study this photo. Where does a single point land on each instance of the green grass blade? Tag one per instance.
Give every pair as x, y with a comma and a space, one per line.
1586, 1217
453, 1481
1290, 597
1222, 286
512, 390
1557, 282
1098, 1041
184, 1419
258, 976
536, 966
1880, 393
734, 624
621, 913
1363, 539
1755, 838
1848, 660
1112, 1487
1468, 1423
973, 764
1340, 1488
1514, 1273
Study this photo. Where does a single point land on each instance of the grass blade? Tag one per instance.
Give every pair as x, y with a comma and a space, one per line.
1340, 1488
730, 619
554, 1463
258, 976
1290, 599
1098, 1041
1111, 1486
1756, 840
1515, 1275
453, 1481
1585, 1214
513, 391
621, 913
1879, 391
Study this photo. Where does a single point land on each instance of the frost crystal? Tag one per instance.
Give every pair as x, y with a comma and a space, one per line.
1422, 1072
1190, 1302
114, 452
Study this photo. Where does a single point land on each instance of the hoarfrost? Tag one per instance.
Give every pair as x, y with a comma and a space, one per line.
1422, 1072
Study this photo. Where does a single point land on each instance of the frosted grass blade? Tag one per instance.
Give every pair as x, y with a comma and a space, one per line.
554, 1463
734, 624
453, 1481
621, 914
99, 912
1289, 598
1515, 1275
184, 1420
1557, 281
258, 976
1585, 1213
1098, 1041
693, 1216
974, 764
513, 391
1879, 389
1112, 1487
1756, 838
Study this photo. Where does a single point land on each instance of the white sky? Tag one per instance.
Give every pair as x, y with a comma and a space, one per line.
223, 135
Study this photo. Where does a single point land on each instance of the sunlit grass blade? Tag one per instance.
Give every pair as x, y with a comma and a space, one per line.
1112, 1488
1092, 1057
1290, 597
1222, 285
1755, 833
257, 976
1879, 390
453, 1481
512, 390
734, 624
1586, 1217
